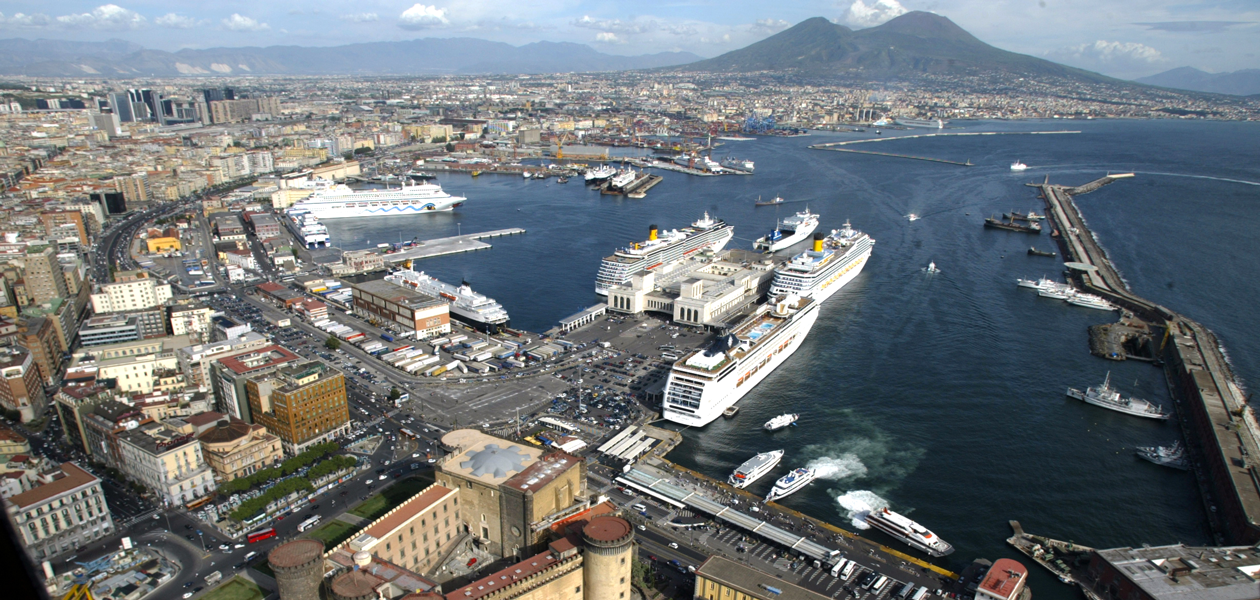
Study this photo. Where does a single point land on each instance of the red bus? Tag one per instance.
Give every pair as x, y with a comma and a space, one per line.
262, 534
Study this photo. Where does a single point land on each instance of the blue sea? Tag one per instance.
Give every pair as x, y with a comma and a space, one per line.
940, 395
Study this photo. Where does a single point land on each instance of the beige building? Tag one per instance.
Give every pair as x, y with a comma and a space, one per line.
44, 279
511, 493
720, 578
381, 301
65, 510
192, 321
138, 293
138, 366
167, 461
418, 534
234, 448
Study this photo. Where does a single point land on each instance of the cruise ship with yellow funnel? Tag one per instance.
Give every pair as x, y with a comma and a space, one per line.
661, 247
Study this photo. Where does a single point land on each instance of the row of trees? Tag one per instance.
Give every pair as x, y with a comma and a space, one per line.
253, 506
284, 469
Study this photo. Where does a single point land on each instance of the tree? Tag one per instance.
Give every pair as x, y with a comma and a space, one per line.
450, 147
332, 343
440, 139
395, 394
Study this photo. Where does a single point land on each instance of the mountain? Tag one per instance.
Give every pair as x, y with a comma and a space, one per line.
914, 43
1239, 83
116, 58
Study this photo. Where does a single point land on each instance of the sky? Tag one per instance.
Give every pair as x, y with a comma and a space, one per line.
1121, 38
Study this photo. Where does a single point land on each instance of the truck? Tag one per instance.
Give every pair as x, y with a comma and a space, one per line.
214, 578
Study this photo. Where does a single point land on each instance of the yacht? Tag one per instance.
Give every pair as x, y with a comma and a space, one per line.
781, 421
906, 530
1091, 301
1018, 166
755, 468
931, 268
1109, 398
791, 483
791, 230
1173, 456
912, 217
826, 268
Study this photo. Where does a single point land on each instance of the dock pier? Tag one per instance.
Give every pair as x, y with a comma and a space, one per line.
891, 155
456, 244
1219, 427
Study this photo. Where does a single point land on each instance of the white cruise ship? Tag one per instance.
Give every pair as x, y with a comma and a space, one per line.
791, 483
599, 173
661, 248
906, 530
481, 312
791, 230
755, 468
704, 383
307, 228
340, 202
830, 265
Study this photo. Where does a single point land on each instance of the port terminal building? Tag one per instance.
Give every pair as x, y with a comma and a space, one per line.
704, 290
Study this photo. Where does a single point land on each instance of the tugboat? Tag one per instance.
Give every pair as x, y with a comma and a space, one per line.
776, 200
1109, 398
1173, 456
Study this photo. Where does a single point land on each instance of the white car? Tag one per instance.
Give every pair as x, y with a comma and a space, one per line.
673, 545
238, 546
382, 478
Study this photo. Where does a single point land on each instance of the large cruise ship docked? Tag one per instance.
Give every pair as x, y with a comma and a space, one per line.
307, 228
338, 201
704, 383
830, 265
481, 312
908, 531
661, 248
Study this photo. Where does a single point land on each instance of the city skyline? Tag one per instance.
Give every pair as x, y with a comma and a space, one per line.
1105, 36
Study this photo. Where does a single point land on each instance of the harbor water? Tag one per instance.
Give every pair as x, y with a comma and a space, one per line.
940, 395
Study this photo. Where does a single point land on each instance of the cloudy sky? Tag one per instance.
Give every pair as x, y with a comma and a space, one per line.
1123, 38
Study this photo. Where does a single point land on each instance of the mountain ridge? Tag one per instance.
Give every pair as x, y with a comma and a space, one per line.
1245, 82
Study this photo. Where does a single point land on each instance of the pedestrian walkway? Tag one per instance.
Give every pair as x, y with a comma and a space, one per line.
346, 517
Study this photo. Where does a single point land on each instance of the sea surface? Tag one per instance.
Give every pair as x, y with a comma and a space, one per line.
940, 395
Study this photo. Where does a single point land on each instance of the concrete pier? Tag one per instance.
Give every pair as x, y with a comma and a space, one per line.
1220, 429
891, 155
449, 245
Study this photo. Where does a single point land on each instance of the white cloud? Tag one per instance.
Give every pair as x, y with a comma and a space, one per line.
861, 14
175, 21
1118, 59
614, 25
106, 16
25, 20
237, 22
360, 18
769, 25
608, 37
422, 16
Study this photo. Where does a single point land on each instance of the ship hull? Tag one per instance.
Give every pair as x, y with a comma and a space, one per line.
1087, 399
340, 210
620, 274
913, 543
717, 395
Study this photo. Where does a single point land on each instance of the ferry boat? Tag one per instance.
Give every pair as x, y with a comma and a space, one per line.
698, 161
791, 483
622, 179
1018, 166
738, 164
830, 265
1173, 456
661, 248
1044, 284
929, 123
705, 382
1090, 301
307, 228
339, 201
755, 468
1057, 293
479, 311
599, 174
906, 530
781, 421
789, 231
1109, 398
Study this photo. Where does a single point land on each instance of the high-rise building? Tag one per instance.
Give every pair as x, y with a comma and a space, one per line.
166, 460
303, 405
134, 188
59, 222
38, 335
139, 293
112, 203
21, 388
66, 510
44, 280
230, 373
110, 123
73, 403
120, 103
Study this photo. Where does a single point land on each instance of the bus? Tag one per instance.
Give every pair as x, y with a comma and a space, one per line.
261, 535
199, 502
309, 523
407, 432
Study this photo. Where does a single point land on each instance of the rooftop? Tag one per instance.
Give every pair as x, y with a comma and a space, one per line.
408, 510
1189, 572
72, 478
753, 582
378, 572
156, 438
1004, 577
542, 472
397, 294
521, 570
475, 457
295, 553
261, 358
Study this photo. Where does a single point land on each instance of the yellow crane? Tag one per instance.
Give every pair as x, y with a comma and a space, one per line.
564, 136
79, 591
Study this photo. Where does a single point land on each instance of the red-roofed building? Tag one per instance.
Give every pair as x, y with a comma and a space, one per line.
1004, 581
314, 309
229, 374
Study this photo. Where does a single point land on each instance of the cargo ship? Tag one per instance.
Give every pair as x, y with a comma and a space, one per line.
481, 312
789, 231
661, 247
1031, 227
702, 384
830, 265
338, 201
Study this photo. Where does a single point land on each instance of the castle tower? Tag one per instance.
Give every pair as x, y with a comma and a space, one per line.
606, 563
299, 568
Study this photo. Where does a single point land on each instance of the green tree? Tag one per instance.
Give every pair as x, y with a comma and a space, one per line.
332, 343
441, 139
450, 147
394, 394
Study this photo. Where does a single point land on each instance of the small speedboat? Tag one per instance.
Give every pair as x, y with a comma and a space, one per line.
931, 268
912, 217
1018, 166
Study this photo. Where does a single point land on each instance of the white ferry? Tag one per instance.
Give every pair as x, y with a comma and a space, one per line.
704, 383
789, 231
599, 174
339, 201
481, 312
1091, 301
661, 248
307, 228
902, 528
755, 468
781, 421
791, 483
832, 263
